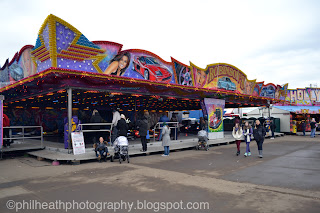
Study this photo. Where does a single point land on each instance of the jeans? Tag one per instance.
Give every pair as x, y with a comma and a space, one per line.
101, 153
166, 150
238, 145
6, 134
248, 147
114, 134
259, 144
160, 135
313, 133
144, 143
272, 133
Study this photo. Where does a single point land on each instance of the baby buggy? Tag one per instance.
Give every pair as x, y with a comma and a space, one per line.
202, 140
121, 149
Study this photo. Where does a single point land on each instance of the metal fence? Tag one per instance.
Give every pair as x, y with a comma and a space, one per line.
96, 130
24, 135
175, 125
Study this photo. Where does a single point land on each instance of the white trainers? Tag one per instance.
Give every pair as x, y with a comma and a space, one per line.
245, 154
272, 138
164, 155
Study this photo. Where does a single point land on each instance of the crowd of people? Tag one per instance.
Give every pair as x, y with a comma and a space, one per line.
246, 131
120, 128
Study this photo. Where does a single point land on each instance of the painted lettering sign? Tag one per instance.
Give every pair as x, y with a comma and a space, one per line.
307, 96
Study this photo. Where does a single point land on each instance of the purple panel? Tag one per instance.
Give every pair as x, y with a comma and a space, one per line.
76, 65
64, 37
43, 65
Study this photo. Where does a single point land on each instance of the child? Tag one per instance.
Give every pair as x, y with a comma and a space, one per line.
247, 132
166, 139
237, 134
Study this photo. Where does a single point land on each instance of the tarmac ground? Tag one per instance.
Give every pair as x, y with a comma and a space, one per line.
286, 179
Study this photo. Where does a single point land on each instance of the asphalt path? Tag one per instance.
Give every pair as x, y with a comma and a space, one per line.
286, 179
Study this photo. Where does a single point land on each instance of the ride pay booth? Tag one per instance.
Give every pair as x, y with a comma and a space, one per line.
213, 113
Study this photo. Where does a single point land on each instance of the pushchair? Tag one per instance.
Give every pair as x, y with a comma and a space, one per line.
202, 140
121, 149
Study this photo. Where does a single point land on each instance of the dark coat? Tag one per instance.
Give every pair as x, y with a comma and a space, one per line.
122, 127
96, 118
273, 126
259, 132
143, 127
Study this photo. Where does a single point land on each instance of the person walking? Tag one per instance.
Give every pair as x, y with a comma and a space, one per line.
237, 135
147, 115
313, 128
202, 124
115, 119
95, 118
272, 128
303, 126
247, 132
174, 133
143, 129
6, 123
258, 133
122, 126
166, 139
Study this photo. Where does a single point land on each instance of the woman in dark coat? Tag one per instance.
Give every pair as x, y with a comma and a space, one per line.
143, 130
272, 128
258, 133
122, 126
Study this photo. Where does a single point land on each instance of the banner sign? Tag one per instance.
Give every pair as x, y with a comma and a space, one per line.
304, 97
215, 109
78, 143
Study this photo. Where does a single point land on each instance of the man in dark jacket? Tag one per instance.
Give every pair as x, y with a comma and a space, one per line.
303, 126
272, 128
143, 129
313, 128
122, 126
258, 133
95, 118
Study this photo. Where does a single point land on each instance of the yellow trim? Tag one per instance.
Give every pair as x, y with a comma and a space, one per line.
254, 85
97, 60
84, 55
71, 57
90, 48
83, 51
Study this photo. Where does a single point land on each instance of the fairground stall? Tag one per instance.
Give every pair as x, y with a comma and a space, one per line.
58, 82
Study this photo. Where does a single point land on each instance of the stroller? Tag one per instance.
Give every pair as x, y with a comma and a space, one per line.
121, 149
202, 140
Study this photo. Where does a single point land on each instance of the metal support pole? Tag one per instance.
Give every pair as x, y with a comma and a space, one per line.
41, 129
175, 132
69, 118
23, 134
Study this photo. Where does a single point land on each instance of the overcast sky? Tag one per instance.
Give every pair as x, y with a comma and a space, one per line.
274, 41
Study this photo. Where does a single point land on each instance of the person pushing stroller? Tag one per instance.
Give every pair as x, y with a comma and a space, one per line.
121, 149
